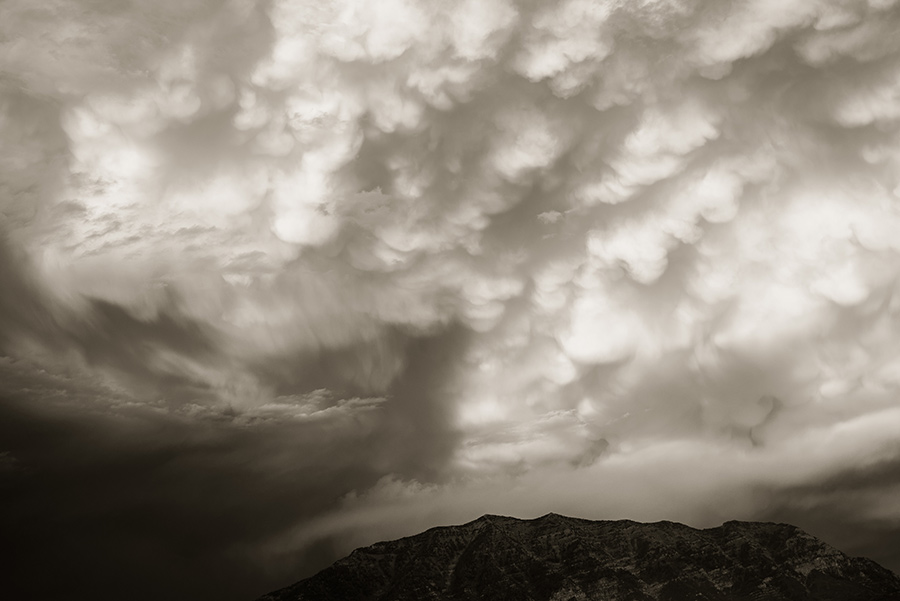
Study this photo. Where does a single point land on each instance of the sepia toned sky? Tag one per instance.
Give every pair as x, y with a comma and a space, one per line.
280, 278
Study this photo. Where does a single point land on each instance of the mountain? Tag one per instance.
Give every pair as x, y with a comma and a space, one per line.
557, 558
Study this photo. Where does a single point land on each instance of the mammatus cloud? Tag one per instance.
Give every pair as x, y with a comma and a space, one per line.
643, 253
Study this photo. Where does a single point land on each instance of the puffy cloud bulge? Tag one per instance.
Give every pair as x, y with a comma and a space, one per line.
657, 238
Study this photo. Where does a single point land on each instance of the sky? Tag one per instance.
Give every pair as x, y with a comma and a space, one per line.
282, 278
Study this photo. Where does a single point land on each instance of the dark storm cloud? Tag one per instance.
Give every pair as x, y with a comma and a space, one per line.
20, 304
107, 494
851, 510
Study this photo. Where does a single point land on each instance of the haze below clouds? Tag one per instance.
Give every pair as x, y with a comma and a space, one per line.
282, 278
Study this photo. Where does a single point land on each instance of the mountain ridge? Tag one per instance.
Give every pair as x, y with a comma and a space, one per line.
561, 558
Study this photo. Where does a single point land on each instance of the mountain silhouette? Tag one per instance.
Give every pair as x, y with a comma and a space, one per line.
557, 558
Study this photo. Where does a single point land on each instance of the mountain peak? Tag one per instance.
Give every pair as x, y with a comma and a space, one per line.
490, 517
560, 558
554, 517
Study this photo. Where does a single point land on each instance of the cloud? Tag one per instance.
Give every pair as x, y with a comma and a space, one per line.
582, 247
94, 473
722, 481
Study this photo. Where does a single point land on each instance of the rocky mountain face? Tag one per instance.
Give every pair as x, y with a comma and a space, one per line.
556, 558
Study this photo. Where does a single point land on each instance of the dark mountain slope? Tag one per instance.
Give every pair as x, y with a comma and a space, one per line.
556, 558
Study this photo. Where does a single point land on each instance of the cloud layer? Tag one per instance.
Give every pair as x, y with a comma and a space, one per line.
612, 259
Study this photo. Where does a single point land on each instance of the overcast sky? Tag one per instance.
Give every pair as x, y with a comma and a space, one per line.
280, 278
